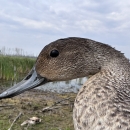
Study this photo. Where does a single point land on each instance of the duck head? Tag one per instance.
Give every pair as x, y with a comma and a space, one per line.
60, 60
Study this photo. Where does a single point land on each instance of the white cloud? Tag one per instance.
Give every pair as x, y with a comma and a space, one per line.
40, 22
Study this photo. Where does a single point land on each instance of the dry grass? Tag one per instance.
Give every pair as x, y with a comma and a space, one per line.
31, 104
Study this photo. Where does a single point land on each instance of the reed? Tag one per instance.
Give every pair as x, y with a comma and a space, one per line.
11, 67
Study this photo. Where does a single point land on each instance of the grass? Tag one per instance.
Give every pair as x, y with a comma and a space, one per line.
29, 106
11, 66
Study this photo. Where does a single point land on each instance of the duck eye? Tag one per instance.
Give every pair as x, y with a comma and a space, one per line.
54, 53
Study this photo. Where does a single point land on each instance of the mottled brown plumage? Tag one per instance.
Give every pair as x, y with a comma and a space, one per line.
103, 103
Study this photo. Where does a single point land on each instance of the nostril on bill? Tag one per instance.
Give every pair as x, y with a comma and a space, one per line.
28, 77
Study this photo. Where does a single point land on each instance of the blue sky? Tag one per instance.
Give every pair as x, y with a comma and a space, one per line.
31, 24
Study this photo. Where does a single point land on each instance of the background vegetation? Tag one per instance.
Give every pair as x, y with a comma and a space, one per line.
13, 66
14, 63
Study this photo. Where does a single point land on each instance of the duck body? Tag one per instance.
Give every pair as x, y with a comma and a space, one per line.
103, 103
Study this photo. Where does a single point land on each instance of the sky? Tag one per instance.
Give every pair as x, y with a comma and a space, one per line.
32, 24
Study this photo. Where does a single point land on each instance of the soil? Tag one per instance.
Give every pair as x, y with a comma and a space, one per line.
35, 103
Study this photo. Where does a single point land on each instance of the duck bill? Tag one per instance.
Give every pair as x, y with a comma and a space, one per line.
32, 80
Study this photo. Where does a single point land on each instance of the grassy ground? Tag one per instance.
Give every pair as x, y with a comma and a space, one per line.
31, 103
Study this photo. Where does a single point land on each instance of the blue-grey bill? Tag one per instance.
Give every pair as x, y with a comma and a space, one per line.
32, 80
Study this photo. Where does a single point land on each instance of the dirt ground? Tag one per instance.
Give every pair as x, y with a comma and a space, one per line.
54, 110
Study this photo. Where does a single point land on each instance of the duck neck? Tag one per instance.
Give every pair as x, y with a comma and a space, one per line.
112, 61
119, 69
115, 77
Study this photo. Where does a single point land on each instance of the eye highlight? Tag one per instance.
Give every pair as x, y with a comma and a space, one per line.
54, 53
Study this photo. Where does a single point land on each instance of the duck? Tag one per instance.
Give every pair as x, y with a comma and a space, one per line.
103, 102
